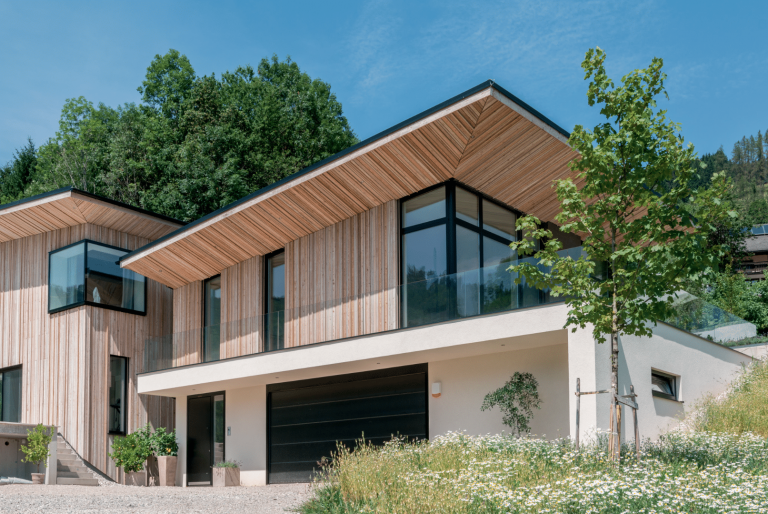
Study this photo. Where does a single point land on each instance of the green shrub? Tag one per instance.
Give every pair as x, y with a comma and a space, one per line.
36, 447
164, 443
131, 452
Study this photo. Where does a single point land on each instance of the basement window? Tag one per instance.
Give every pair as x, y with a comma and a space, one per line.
88, 273
663, 385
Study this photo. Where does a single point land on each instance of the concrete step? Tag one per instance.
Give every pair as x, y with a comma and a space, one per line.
74, 467
67, 459
73, 474
76, 481
64, 452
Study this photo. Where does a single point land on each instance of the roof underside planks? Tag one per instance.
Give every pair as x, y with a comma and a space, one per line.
69, 207
485, 141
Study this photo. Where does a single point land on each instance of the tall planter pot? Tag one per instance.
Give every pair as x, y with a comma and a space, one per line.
226, 477
167, 470
38, 478
138, 478
153, 473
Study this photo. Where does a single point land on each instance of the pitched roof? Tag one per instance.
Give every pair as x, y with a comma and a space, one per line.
485, 138
68, 207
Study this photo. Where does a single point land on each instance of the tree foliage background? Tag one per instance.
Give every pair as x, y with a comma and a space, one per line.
194, 144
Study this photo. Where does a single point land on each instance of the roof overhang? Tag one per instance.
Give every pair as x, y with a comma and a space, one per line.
485, 138
69, 207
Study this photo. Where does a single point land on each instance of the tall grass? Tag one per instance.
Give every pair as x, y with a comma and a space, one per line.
721, 470
743, 409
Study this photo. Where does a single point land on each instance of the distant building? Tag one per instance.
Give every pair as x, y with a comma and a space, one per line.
754, 266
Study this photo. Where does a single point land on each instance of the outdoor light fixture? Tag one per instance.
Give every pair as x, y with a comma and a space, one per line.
436, 388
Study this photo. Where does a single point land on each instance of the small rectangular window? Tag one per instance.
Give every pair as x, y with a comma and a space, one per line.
118, 383
88, 273
10, 395
663, 385
429, 206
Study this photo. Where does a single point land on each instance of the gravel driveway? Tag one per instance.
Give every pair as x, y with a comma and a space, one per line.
271, 499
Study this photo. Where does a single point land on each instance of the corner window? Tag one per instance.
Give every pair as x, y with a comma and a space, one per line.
87, 273
212, 319
118, 387
274, 322
455, 255
10, 395
663, 385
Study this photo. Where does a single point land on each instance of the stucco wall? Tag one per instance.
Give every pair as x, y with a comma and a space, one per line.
703, 367
246, 413
465, 382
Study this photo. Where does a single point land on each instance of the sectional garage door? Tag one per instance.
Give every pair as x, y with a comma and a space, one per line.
307, 418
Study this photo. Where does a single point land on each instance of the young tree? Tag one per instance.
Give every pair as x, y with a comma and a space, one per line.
633, 213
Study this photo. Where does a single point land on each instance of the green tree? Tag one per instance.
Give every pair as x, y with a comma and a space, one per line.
644, 232
169, 80
17, 174
757, 212
36, 448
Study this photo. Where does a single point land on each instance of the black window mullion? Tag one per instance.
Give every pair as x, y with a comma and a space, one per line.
450, 240
422, 226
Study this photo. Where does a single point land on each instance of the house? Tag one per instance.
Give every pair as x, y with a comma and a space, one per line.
753, 266
368, 294
73, 323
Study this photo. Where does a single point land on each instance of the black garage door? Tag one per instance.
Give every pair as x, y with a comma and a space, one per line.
307, 418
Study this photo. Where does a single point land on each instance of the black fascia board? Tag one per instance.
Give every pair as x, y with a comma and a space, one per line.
485, 85
95, 197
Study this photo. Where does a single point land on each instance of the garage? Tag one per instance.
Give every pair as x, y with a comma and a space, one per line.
307, 418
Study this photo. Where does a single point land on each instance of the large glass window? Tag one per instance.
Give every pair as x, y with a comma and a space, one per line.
274, 323
88, 273
212, 319
455, 256
10, 395
118, 385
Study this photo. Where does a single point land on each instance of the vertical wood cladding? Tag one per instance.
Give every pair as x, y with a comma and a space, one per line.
65, 356
342, 281
187, 324
241, 308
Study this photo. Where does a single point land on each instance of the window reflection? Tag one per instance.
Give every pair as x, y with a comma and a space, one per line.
274, 325
212, 319
118, 374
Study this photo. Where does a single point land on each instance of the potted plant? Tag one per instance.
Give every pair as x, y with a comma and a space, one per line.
165, 448
226, 473
36, 450
130, 453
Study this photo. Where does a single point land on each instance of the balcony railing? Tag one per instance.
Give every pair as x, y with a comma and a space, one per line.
423, 300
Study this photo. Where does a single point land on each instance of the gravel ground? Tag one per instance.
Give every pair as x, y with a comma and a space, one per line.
271, 499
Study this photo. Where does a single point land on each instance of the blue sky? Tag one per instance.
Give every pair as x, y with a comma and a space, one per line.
389, 60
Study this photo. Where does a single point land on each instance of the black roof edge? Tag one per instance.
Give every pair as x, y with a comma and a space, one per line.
89, 195
413, 119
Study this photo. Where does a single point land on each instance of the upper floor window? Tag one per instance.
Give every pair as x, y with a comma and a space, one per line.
455, 255
10, 395
87, 273
274, 322
212, 319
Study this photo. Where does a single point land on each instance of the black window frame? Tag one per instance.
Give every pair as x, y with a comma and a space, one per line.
265, 311
673, 381
124, 411
85, 279
451, 221
202, 319
21, 393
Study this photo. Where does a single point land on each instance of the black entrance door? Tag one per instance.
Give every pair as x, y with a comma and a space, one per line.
205, 436
307, 418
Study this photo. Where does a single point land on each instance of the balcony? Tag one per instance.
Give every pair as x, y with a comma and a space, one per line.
425, 301
428, 301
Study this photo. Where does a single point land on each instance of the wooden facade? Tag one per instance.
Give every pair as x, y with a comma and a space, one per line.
65, 355
484, 140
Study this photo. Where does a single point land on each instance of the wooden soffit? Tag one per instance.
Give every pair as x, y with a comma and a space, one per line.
70, 207
486, 139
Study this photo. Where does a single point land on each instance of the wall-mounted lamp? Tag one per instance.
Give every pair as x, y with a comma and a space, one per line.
436, 389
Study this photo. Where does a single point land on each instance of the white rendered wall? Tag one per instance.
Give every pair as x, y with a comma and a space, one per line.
246, 413
465, 382
703, 367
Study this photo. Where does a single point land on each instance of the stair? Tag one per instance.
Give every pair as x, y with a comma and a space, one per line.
70, 468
